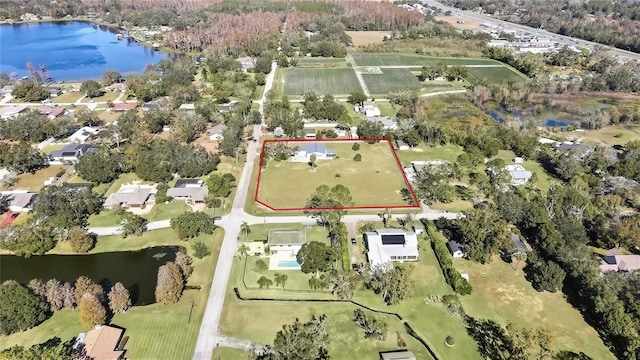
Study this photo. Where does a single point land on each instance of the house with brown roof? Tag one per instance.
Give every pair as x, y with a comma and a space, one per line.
131, 196
19, 200
7, 112
190, 190
51, 112
615, 260
123, 107
122, 87
104, 343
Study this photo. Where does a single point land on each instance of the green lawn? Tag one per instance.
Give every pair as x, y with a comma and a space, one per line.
504, 295
502, 74
107, 96
167, 211
298, 81
374, 181
68, 97
610, 135
398, 59
122, 179
431, 321
391, 80
225, 353
34, 182
543, 182
321, 62
155, 331
117, 243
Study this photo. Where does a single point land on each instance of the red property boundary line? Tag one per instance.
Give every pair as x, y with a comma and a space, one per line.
370, 207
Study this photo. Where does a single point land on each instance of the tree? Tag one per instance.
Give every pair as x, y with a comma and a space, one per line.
302, 340
544, 275
200, 250
132, 224
431, 184
315, 257
22, 158
192, 224
87, 117
220, 185
373, 327
187, 127
92, 312
343, 284
52, 349
185, 263
355, 147
391, 282
91, 89
357, 98
482, 232
245, 229
170, 284
281, 279
243, 251
264, 282
81, 242
111, 76
66, 207
29, 239
370, 130
102, 166
327, 203
20, 308
261, 266
30, 91
119, 299
357, 157
84, 285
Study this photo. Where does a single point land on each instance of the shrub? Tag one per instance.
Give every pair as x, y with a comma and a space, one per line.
81, 242
459, 284
358, 157
261, 266
200, 250
449, 341
355, 147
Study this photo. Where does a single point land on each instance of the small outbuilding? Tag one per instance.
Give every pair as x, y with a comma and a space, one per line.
455, 248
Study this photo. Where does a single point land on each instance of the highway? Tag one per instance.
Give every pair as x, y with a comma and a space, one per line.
505, 25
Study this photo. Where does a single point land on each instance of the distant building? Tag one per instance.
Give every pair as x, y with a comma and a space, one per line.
318, 149
103, 343
7, 89
51, 112
123, 107
401, 145
455, 248
397, 355
84, 133
187, 107
519, 175
216, 132
518, 246
309, 134
7, 112
131, 196
71, 153
119, 86
580, 151
54, 91
387, 245
387, 122
190, 190
370, 109
19, 200
285, 243
615, 260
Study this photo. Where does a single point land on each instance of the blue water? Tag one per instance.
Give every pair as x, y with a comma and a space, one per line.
288, 264
71, 50
555, 123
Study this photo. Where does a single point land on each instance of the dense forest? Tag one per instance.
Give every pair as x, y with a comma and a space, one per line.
613, 23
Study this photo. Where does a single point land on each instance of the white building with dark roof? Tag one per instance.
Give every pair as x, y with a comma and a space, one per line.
318, 149
189, 190
388, 245
519, 175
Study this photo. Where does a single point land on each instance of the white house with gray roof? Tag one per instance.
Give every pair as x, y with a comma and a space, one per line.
519, 175
388, 245
189, 190
131, 196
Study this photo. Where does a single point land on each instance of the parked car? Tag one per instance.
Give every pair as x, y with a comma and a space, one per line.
353, 241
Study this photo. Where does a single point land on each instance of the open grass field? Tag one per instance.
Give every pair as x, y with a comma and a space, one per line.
398, 59
107, 96
361, 38
431, 321
155, 331
225, 353
158, 212
610, 135
456, 111
504, 295
35, 182
321, 62
374, 181
503, 74
122, 179
424, 152
297, 81
391, 80
68, 97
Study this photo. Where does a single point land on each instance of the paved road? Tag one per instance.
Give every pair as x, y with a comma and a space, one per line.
565, 40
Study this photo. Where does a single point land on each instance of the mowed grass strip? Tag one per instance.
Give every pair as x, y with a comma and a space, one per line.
374, 181
502, 74
298, 81
504, 295
391, 80
379, 59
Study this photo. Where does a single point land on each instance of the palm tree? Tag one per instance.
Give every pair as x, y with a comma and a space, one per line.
245, 229
264, 282
312, 161
519, 256
314, 283
243, 250
281, 279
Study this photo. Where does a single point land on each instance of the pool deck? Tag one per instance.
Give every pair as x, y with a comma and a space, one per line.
274, 260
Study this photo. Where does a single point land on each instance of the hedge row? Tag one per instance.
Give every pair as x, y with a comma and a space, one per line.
459, 284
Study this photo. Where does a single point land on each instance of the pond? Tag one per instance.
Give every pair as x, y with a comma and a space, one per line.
136, 270
71, 50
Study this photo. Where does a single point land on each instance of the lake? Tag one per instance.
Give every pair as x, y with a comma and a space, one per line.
71, 50
136, 270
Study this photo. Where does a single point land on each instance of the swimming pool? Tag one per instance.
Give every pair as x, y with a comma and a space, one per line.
288, 264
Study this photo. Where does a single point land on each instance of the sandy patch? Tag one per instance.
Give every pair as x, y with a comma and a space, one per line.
361, 38
467, 24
